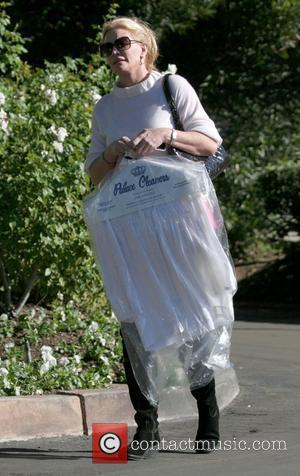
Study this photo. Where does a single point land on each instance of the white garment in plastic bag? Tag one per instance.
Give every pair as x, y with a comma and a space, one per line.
160, 242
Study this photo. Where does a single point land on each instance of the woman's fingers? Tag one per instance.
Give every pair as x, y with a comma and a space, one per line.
145, 142
138, 139
148, 140
144, 148
126, 143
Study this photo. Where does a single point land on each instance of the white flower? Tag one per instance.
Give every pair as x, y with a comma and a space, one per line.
4, 317
3, 115
104, 359
60, 296
47, 356
3, 371
93, 327
46, 349
77, 358
48, 359
42, 314
2, 98
172, 68
52, 361
4, 120
59, 77
43, 87
32, 314
61, 134
44, 368
102, 340
45, 154
39, 391
64, 361
53, 129
52, 96
62, 316
6, 383
95, 95
17, 391
8, 345
58, 146
4, 126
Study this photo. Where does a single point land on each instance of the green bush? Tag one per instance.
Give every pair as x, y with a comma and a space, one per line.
72, 341
260, 193
281, 203
61, 348
11, 46
254, 96
44, 135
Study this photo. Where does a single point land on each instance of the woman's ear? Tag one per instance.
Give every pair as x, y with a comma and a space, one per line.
144, 49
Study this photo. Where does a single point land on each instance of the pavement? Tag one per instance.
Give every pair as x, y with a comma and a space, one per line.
260, 428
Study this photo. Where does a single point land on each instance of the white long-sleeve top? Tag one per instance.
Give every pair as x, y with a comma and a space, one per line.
127, 111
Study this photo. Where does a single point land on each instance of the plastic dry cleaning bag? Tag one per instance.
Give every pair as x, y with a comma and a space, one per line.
159, 239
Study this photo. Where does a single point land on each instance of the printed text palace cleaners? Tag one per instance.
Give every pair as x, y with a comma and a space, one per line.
144, 181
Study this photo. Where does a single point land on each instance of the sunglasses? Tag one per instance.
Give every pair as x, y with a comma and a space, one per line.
121, 44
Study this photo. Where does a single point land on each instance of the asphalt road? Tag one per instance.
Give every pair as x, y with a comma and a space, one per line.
265, 352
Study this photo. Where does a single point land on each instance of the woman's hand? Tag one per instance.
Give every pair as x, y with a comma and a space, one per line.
192, 142
150, 139
117, 149
108, 159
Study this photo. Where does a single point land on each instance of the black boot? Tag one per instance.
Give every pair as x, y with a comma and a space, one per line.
146, 438
145, 443
208, 435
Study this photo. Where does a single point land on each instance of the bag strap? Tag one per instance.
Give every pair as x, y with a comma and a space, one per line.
215, 164
171, 102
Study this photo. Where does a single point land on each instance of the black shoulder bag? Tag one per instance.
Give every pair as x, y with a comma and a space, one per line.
215, 164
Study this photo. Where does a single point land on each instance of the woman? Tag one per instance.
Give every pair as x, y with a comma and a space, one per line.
132, 58
135, 118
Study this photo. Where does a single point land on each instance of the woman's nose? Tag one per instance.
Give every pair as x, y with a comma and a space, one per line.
114, 49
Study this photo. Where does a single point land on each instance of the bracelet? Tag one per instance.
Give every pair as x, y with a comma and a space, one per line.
173, 136
106, 161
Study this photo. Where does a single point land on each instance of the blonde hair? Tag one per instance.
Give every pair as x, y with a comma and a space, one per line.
141, 31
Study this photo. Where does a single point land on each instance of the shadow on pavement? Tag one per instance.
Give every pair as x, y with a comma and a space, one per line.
39, 454
178, 451
274, 285
249, 312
